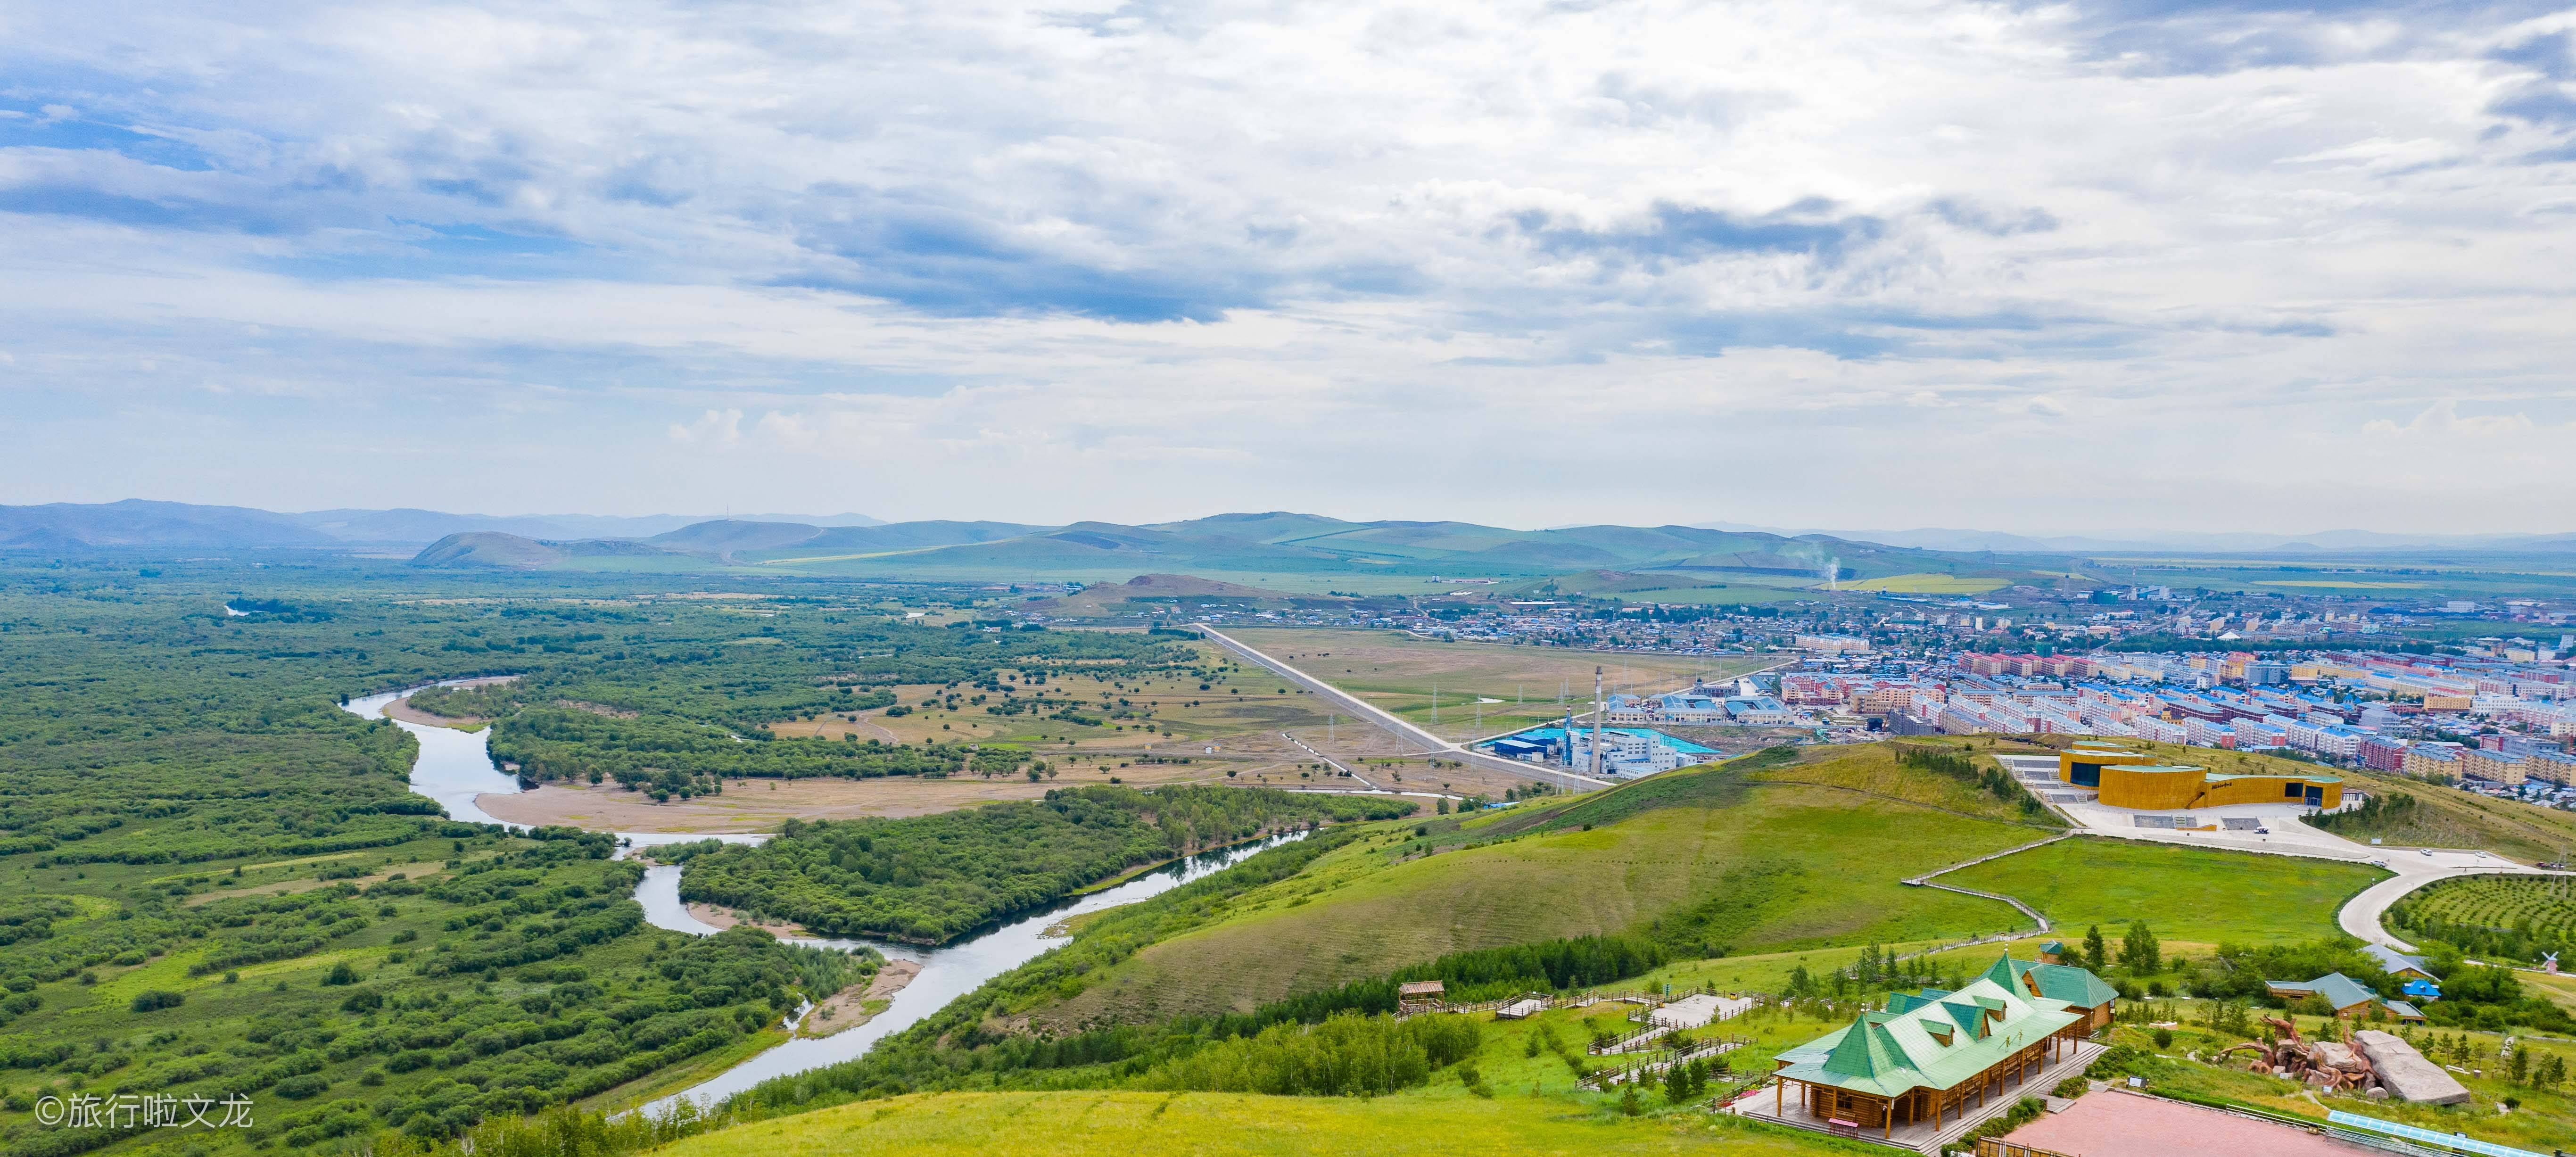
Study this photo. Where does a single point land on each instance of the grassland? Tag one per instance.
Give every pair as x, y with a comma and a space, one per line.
1712, 859
2497, 575
1121, 1124
1927, 584
1728, 595
2190, 894
1400, 673
1537, 1108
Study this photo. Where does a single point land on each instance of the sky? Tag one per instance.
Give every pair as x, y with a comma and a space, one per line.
2047, 268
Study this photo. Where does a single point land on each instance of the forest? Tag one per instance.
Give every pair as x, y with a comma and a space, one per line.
675, 712
215, 880
934, 878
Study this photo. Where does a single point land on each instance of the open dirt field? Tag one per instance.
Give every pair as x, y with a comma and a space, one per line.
1483, 688
762, 804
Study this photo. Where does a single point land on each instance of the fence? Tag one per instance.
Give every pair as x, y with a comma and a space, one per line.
1647, 1069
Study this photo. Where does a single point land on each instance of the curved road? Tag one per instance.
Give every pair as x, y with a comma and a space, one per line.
2361, 914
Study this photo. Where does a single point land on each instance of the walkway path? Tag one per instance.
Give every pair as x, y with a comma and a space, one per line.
2410, 868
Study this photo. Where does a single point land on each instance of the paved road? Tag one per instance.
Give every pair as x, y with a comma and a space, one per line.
1429, 743
2359, 916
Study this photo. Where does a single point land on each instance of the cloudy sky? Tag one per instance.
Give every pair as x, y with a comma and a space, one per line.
2038, 267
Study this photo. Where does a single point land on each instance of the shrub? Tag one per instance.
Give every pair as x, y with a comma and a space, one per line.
152, 999
300, 1088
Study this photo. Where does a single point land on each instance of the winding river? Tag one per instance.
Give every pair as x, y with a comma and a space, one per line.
456, 766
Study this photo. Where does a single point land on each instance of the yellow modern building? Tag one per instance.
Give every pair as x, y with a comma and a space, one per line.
2138, 779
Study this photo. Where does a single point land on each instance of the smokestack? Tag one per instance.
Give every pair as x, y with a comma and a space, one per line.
1596, 722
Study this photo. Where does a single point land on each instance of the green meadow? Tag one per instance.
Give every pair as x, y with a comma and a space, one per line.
2192, 894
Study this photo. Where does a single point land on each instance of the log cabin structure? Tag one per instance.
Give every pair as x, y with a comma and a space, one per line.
1420, 996
1935, 1053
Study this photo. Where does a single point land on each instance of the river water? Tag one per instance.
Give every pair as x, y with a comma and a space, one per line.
455, 766
946, 973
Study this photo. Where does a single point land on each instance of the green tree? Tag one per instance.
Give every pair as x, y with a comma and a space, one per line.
1628, 1103
2139, 952
2096, 953
2519, 1068
1677, 1085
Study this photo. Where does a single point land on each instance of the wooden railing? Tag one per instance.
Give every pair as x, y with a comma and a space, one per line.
1998, 1147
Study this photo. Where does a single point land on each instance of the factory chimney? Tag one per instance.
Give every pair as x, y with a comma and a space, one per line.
1597, 718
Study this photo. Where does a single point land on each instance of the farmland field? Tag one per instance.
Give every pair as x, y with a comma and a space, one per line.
2519, 918
1399, 673
2182, 893
1927, 584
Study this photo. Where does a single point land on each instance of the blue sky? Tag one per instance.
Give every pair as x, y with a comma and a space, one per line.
2040, 267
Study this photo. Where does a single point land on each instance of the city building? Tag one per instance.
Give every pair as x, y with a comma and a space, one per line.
2135, 779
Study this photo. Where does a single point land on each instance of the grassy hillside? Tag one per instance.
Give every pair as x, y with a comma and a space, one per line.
1710, 861
1120, 1124
2189, 894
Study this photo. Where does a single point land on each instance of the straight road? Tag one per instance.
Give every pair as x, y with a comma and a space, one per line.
1429, 743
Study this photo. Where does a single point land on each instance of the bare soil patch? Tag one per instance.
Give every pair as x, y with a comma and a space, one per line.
403, 710
715, 917
763, 804
849, 1008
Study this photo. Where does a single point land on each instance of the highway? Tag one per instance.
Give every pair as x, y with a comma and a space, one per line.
1429, 743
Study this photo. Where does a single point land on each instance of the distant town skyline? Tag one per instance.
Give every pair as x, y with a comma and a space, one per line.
2040, 270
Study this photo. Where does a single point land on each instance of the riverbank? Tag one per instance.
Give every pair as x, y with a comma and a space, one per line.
720, 919
401, 709
857, 1005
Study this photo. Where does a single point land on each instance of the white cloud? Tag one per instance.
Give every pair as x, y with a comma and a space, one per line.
1357, 253
716, 429
2442, 420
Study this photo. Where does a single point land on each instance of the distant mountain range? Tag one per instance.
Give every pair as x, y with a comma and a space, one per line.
1275, 543
2234, 542
137, 523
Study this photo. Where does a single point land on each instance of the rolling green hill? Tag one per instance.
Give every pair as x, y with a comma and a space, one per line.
474, 549
1281, 544
1303, 552
1710, 861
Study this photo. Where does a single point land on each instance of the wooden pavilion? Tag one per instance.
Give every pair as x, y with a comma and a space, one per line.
1935, 1053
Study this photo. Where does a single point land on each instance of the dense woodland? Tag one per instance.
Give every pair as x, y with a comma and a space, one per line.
214, 880
934, 878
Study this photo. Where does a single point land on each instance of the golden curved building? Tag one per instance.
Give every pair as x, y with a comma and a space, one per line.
2137, 779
